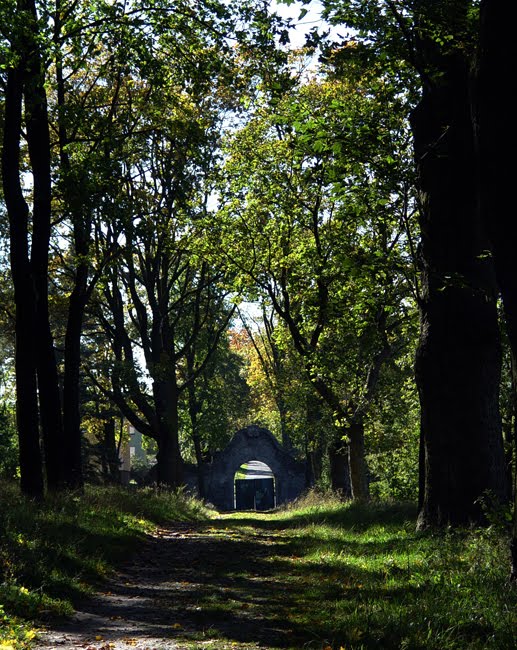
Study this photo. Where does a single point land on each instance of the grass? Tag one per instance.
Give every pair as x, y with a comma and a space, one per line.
361, 577
328, 575
52, 553
241, 473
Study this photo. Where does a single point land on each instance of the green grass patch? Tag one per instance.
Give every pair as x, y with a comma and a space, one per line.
241, 473
360, 577
318, 575
52, 553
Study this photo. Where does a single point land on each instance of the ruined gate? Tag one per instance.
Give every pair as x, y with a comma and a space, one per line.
253, 443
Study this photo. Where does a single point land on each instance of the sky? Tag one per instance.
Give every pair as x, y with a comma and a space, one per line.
310, 20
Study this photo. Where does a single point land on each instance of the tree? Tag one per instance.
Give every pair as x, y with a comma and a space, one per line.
29, 253
217, 398
458, 358
273, 364
495, 149
160, 296
69, 68
311, 216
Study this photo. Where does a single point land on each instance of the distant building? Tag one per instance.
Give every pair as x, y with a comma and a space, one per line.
131, 452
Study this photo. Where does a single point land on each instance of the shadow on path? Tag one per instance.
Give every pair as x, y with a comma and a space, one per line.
214, 585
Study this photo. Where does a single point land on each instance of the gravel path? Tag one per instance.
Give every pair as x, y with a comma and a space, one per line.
212, 586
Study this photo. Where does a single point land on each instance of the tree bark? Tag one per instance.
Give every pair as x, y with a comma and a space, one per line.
497, 140
38, 140
314, 448
358, 468
74, 198
458, 361
339, 459
71, 394
169, 461
110, 458
283, 411
193, 409
31, 462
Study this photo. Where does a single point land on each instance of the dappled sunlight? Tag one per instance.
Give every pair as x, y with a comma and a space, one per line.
352, 576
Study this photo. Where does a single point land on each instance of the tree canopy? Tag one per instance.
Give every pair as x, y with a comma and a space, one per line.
204, 227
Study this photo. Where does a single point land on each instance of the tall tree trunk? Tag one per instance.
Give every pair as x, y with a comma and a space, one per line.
497, 141
193, 409
339, 460
31, 463
287, 443
74, 198
71, 393
38, 140
458, 360
169, 461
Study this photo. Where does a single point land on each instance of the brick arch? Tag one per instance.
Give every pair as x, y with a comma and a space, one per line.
253, 443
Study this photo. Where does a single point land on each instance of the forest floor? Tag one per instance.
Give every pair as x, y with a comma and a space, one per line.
213, 585
325, 576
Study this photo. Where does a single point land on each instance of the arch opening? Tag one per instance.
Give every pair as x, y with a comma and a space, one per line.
254, 487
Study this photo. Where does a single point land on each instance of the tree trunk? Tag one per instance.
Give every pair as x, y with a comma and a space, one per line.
287, 443
38, 140
169, 461
110, 458
314, 448
421, 467
339, 459
71, 392
31, 463
458, 361
358, 468
74, 198
193, 411
497, 140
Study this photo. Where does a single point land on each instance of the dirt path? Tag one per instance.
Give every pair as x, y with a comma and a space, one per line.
216, 585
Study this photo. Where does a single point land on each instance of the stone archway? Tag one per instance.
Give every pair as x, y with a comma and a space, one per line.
253, 443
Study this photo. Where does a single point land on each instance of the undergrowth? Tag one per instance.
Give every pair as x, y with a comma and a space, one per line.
52, 553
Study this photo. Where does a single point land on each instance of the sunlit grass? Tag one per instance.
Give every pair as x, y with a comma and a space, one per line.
366, 579
340, 575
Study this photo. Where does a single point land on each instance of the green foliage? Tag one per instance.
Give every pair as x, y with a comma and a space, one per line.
14, 634
317, 220
395, 471
222, 401
393, 434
